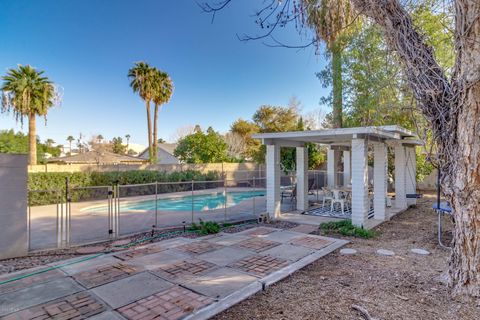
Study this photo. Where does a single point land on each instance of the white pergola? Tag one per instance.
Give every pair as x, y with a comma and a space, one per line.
353, 143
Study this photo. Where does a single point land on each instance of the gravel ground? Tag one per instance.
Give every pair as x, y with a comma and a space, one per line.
404, 286
45, 257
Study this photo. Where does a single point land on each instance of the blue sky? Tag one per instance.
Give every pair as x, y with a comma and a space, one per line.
87, 47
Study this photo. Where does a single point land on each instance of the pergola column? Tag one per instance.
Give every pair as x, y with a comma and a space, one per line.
410, 174
360, 205
302, 178
273, 181
332, 160
347, 176
379, 180
400, 175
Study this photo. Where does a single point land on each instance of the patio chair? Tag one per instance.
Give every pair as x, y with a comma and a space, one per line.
289, 193
338, 197
327, 195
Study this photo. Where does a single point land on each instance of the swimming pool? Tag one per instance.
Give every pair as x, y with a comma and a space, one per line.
201, 202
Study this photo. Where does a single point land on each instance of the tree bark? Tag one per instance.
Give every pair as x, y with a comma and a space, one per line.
32, 140
337, 85
452, 107
149, 126
155, 132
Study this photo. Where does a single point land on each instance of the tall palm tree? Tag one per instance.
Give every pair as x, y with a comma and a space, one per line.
49, 142
27, 93
331, 20
142, 82
163, 92
70, 139
127, 137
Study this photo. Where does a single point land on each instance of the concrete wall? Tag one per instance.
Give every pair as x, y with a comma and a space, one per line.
13, 206
429, 183
232, 170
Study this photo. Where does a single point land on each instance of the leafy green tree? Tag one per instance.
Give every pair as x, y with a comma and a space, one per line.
117, 146
11, 142
142, 81
27, 93
163, 90
202, 147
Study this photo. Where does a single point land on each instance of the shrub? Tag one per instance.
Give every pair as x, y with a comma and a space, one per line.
54, 184
346, 228
208, 227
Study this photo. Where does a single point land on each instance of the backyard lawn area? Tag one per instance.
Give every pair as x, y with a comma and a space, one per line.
403, 286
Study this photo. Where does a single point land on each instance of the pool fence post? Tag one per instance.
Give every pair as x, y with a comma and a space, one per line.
225, 199
192, 199
254, 196
156, 203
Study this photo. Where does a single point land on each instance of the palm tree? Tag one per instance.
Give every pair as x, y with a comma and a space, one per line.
142, 82
331, 20
70, 139
27, 93
49, 142
163, 92
127, 137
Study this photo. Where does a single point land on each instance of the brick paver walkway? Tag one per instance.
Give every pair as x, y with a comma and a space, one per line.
260, 265
185, 268
157, 281
102, 275
171, 304
257, 245
311, 242
304, 228
77, 306
199, 247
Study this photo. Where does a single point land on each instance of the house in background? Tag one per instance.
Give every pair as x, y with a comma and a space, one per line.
99, 157
164, 154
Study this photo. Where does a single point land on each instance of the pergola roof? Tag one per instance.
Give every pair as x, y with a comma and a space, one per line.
338, 136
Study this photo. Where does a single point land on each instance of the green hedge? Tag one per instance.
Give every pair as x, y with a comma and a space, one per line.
48, 187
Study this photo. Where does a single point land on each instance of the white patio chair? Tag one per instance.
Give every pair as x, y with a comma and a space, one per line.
338, 197
327, 195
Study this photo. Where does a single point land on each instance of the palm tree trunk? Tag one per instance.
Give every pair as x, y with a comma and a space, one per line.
155, 132
149, 126
32, 140
337, 84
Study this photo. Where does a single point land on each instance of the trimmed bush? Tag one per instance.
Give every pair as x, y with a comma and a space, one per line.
346, 228
47, 187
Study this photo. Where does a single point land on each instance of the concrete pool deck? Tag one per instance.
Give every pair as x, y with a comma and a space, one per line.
179, 278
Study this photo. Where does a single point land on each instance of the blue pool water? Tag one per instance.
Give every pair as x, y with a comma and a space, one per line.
201, 202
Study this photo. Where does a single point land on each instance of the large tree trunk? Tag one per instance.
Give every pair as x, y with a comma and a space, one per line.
452, 107
32, 140
155, 132
337, 85
149, 126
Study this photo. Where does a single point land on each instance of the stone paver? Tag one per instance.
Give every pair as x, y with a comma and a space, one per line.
25, 282
385, 252
199, 247
171, 304
157, 260
420, 251
74, 268
37, 294
127, 290
259, 231
228, 239
105, 274
184, 269
304, 228
288, 252
348, 251
257, 244
283, 236
225, 256
107, 315
139, 252
220, 282
312, 242
260, 265
77, 306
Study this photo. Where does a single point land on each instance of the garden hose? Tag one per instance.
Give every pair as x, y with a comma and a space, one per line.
128, 245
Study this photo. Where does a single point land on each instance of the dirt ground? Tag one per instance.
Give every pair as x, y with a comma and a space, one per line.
404, 286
